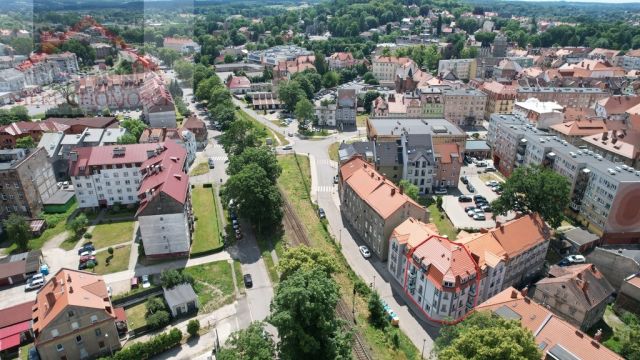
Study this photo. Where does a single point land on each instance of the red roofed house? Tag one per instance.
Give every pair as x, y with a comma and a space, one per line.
165, 214
14, 131
372, 205
198, 128
15, 328
238, 84
439, 276
556, 338
448, 164
286, 68
341, 60
73, 317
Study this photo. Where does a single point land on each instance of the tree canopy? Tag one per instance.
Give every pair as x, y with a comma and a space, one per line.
484, 335
262, 156
535, 189
18, 230
252, 343
306, 259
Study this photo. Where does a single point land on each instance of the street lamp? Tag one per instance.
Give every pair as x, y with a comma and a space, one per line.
424, 341
106, 336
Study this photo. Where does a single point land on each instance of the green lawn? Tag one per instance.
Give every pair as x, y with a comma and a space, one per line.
200, 169
135, 316
444, 225
237, 267
213, 284
111, 214
105, 235
361, 120
206, 237
267, 243
333, 151
294, 181
119, 262
266, 131
71, 241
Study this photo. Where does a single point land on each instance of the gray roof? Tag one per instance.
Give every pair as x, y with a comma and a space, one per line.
628, 251
364, 148
560, 90
179, 294
560, 353
420, 145
50, 142
464, 91
93, 135
387, 154
476, 145
111, 135
11, 158
60, 197
391, 126
580, 236
71, 139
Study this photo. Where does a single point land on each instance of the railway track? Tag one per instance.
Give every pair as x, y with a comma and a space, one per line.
298, 236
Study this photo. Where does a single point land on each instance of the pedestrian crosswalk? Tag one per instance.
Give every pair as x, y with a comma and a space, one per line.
219, 158
324, 189
327, 162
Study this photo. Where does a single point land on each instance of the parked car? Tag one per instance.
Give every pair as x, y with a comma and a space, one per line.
464, 198
471, 188
287, 147
478, 197
440, 191
464, 179
336, 179
469, 208
233, 215
492, 183
471, 213
248, 281
479, 217
34, 284
490, 169
364, 251
574, 259
235, 224
87, 247
87, 264
212, 164
487, 208
145, 281
86, 258
238, 234
481, 164
37, 277
321, 213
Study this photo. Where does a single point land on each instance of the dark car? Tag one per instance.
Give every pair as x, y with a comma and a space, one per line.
248, 281
478, 197
321, 213
469, 208
88, 247
471, 188
85, 265
464, 180
464, 198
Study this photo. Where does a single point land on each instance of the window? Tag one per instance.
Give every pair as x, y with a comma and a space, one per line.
78, 339
94, 319
59, 347
75, 325
98, 332
55, 333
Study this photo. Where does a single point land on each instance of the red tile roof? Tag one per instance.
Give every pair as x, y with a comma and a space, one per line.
15, 314
238, 82
104, 155
447, 152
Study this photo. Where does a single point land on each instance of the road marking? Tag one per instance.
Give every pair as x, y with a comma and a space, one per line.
219, 158
324, 189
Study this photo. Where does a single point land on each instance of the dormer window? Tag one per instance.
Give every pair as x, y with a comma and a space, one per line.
449, 284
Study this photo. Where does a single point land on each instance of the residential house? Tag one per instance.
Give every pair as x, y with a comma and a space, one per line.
631, 60
384, 68
165, 214
464, 107
580, 240
462, 69
448, 161
15, 327
340, 60
286, 68
615, 107
373, 206
238, 84
542, 114
616, 262
579, 294
73, 317
556, 338
182, 45
198, 128
500, 98
437, 275
510, 254
340, 114
181, 299
27, 180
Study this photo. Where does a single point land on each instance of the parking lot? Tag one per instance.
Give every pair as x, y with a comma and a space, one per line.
455, 209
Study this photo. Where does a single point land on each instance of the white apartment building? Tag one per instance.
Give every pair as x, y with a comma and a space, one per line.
541, 113
105, 175
384, 68
463, 69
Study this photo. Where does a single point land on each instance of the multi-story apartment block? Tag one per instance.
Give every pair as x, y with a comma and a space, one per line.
614, 108
416, 159
631, 60
432, 103
26, 180
540, 113
565, 96
424, 103
340, 114
579, 294
106, 175
73, 317
462, 69
603, 193
276, 54
464, 106
391, 130
165, 214
373, 205
448, 164
511, 254
438, 275
500, 98
384, 68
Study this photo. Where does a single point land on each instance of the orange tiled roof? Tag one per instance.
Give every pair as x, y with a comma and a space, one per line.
618, 104
69, 288
549, 330
392, 59
446, 150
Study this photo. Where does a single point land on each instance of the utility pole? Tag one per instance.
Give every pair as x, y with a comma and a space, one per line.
353, 305
424, 341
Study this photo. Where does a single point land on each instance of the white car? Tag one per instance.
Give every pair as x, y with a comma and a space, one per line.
364, 251
88, 253
37, 276
34, 284
491, 183
287, 147
145, 281
576, 259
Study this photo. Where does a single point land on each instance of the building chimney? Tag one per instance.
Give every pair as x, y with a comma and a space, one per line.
51, 299
524, 291
514, 294
498, 224
598, 336
393, 191
401, 189
54, 280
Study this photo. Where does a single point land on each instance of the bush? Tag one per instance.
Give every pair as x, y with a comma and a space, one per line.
110, 250
193, 327
87, 235
395, 340
158, 319
171, 278
154, 304
376, 311
145, 350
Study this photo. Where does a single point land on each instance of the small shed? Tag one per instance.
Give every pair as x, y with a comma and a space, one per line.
581, 240
59, 202
37, 226
477, 148
181, 299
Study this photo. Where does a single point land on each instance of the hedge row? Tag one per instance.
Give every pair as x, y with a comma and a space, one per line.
145, 350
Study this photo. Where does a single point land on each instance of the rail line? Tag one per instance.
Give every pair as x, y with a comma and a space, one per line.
299, 237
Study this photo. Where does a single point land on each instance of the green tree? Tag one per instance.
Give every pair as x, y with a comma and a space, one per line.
168, 56
220, 95
78, 224
184, 69
290, 92
257, 198
305, 112
303, 311
25, 143
224, 113
484, 335
228, 59
22, 46
410, 189
330, 79
252, 343
321, 63
127, 138
535, 189
205, 87
306, 259
193, 326
262, 156
630, 342
19, 113
134, 127
369, 97
158, 319
377, 316
154, 304
370, 79
240, 135
486, 38
171, 278
108, 60
18, 230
